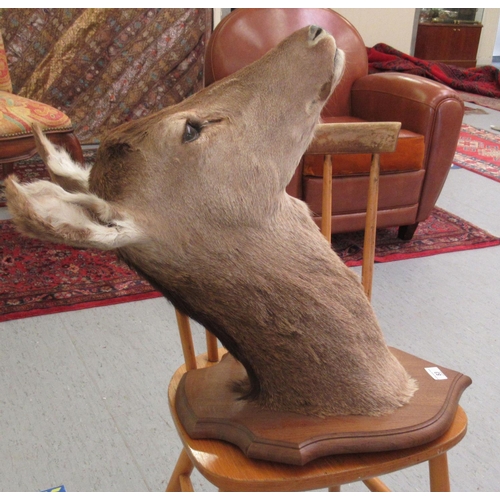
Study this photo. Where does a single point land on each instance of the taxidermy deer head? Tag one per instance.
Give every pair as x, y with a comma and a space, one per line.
193, 197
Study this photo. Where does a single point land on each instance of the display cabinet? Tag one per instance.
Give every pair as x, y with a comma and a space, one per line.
449, 36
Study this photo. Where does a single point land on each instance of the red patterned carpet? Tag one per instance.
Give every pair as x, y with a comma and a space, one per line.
442, 232
26, 171
479, 151
41, 278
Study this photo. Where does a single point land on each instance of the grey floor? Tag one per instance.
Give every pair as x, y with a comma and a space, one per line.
83, 395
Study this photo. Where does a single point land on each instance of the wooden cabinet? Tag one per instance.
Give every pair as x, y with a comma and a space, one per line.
448, 43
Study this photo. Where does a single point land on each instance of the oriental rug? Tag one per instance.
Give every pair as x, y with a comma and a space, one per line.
39, 278
481, 100
441, 232
479, 151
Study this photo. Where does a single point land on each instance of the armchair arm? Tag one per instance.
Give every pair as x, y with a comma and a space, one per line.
422, 106
413, 100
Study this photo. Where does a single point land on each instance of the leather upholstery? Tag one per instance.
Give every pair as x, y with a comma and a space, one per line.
247, 34
423, 106
430, 113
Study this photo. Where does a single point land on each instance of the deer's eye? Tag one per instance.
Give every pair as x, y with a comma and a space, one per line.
191, 132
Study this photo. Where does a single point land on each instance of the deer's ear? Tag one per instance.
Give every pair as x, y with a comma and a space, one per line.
63, 170
44, 210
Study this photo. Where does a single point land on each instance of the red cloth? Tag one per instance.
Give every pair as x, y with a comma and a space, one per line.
483, 80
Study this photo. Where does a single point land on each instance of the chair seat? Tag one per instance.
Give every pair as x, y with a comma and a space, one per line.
18, 114
224, 465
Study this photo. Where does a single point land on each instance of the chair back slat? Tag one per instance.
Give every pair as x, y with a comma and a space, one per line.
186, 340
326, 199
371, 227
212, 347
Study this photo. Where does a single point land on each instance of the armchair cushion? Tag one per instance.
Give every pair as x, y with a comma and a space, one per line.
18, 113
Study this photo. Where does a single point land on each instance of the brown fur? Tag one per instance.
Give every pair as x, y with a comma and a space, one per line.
224, 242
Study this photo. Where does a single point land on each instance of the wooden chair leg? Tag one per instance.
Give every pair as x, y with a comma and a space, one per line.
180, 476
186, 484
438, 473
334, 489
375, 484
73, 147
7, 169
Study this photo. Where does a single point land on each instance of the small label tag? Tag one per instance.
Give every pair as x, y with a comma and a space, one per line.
436, 373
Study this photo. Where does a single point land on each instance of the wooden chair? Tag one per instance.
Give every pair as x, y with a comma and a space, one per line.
228, 468
17, 115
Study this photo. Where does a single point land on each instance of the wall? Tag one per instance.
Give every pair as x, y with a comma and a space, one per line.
397, 27
391, 26
373, 26
496, 50
488, 36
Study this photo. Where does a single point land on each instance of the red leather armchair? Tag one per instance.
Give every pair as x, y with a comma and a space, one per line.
430, 113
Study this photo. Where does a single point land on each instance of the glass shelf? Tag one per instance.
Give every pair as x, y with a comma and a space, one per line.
450, 16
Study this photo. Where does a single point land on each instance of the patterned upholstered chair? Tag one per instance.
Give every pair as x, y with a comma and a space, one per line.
17, 114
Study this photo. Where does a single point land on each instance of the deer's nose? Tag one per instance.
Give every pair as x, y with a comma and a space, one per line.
314, 32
